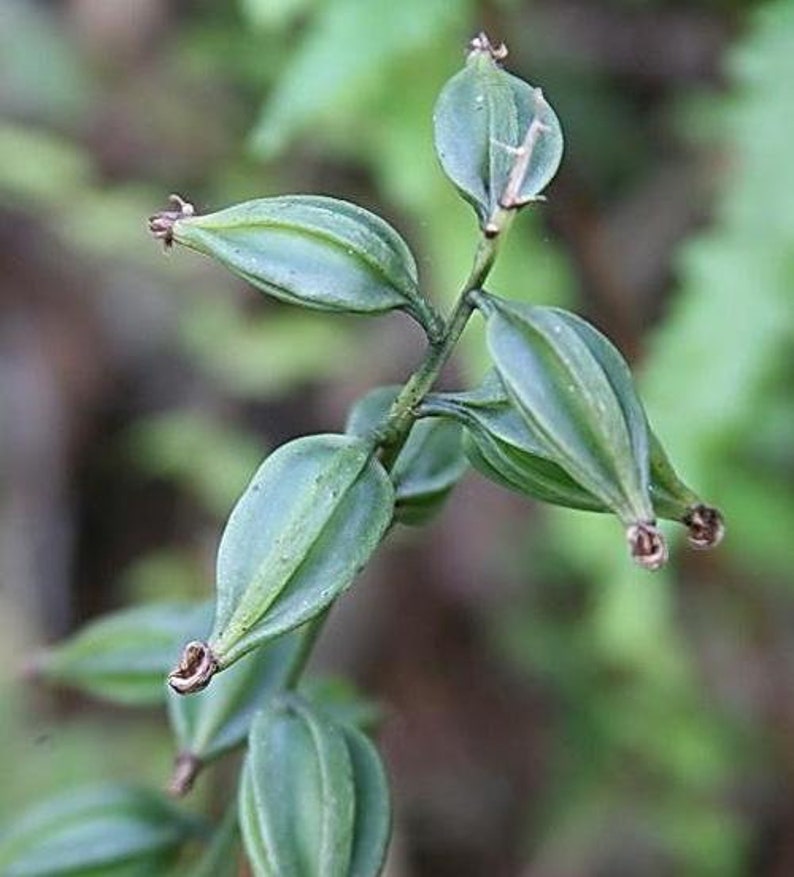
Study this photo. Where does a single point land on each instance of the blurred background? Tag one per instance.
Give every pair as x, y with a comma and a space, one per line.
550, 711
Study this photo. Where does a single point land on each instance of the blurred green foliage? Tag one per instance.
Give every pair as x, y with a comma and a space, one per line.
668, 696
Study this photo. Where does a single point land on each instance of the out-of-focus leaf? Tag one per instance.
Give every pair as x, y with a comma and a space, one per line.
103, 830
313, 251
41, 72
497, 138
39, 169
430, 464
347, 50
313, 798
125, 657
267, 356
169, 446
275, 15
308, 521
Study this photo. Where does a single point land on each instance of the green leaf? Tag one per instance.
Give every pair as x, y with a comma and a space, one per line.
168, 446
100, 830
313, 797
347, 54
312, 251
210, 722
430, 464
497, 138
274, 15
124, 657
307, 523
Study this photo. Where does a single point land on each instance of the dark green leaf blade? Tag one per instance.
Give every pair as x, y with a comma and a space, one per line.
108, 827
124, 657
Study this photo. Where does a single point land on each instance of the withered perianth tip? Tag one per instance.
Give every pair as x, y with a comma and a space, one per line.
647, 545
161, 224
482, 44
196, 668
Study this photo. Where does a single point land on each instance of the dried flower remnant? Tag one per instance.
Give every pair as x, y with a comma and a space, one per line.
481, 43
161, 224
706, 527
196, 668
647, 545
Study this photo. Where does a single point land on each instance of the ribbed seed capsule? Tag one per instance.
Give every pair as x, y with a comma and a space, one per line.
576, 394
308, 250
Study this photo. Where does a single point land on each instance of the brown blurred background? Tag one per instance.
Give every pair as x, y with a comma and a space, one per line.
550, 711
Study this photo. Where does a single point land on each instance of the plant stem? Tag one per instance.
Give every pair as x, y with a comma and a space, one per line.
313, 629
403, 412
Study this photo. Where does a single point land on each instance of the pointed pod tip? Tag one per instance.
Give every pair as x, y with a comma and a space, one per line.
196, 668
161, 224
706, 527
647, 545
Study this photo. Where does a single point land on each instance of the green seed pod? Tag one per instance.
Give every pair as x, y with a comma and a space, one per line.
574, 390
429, 465
500, 444
674, 500
497, 138
307, 523
308, 250
313, 796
